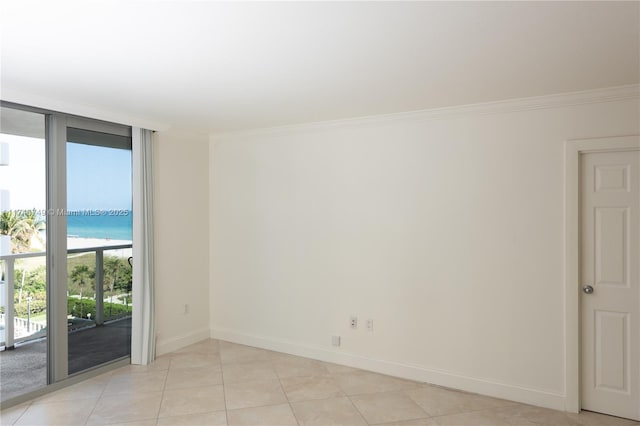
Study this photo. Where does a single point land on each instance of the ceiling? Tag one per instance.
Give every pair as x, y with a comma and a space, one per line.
224, 66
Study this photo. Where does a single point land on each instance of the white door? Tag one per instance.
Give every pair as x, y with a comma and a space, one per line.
610, 287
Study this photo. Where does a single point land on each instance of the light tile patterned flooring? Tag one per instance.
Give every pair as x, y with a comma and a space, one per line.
219, 383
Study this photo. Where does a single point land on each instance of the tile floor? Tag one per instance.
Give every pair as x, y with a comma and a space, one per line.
220, 383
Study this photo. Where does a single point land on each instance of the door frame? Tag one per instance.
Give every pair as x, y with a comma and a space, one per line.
574, 148
56, 124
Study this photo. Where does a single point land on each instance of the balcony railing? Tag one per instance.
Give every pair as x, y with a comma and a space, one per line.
8, 338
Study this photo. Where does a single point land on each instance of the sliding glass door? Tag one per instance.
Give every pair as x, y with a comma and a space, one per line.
23, 272
99, 234
65, 247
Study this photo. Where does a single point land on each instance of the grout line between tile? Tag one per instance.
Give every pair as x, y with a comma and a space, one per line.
272, 361
164, 388
22, 414
287, 397
99, 398
357, 409
224, 387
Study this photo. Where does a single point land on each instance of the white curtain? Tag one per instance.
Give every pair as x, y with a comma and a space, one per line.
143, 328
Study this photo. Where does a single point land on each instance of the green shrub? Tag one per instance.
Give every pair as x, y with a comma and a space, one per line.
35, 281
37, 306
88, 306
75, 308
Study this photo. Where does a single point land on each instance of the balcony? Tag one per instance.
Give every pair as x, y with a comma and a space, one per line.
99, 324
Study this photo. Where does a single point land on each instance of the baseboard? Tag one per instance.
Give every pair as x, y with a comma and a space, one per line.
164, 346
506, 391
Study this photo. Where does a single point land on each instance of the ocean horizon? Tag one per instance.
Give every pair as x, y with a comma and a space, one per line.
112, 227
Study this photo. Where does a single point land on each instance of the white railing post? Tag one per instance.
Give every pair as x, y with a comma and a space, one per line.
7, 265
9, 277
99, 287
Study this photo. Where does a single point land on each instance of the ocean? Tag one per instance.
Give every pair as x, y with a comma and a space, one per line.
114, 227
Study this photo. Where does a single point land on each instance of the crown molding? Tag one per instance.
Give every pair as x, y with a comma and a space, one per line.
608, 94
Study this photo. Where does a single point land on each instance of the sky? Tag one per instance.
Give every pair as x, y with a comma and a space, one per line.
97, 177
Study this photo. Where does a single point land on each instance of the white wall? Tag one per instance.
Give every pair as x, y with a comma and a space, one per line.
181, 236
447, 232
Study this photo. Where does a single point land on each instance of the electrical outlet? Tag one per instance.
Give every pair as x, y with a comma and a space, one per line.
186, 309
335, 340
369, 325
354, 323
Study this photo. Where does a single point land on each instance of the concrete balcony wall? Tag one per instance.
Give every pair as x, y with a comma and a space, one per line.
4, 154
5, 245
4, 200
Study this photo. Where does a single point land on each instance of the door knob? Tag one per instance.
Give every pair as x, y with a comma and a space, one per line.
587, 289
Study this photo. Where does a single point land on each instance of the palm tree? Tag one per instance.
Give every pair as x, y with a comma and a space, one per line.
80, 275
21, 226
36, 223
111, 266
12, 223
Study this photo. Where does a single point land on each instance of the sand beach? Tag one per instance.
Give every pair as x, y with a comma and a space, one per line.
80, 243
